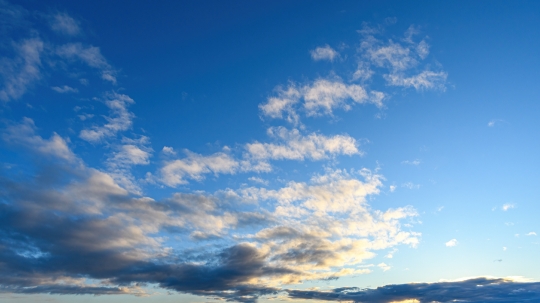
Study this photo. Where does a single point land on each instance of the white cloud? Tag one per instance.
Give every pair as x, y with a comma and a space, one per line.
392, 188
258, 180
410, 185
283, 103
422, 49
424, 80
64, 24
532, 233
120, 119
324, 53
24, 134
451, 243
402, 60
415, 162
363, 72
384, 266
295, 146
507, 206
504, 248
64, 89
168, 150
323, 96
22, 71
319, 98
90, 55
129, 154
195, 166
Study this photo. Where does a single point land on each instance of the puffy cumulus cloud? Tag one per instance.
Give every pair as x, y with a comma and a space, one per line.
319, 98
451, 243
91, 56
120, 119
324, 53
64, 24
21, 71
472, 290
195, 166
84, 233
24, 134
295, 146
326, 228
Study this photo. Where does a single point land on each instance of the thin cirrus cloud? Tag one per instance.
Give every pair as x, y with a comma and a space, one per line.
65, 24
64, 89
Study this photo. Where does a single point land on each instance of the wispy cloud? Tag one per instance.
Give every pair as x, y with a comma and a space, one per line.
22, 71
24, 134
64, 89
415, 162
508, 206
120, 119
65, 24
91, 55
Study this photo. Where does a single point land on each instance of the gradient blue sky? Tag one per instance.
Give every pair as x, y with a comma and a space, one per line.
198, 151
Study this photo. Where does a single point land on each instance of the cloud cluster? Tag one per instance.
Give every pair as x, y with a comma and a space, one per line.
70, 228
56, 234
319, 98
473, 290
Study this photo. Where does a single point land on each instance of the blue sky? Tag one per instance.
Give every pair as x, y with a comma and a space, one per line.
250, 151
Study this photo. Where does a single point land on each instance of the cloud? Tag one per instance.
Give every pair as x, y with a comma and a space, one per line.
168, 150
295, 146
64, 24
532, 233
451, 243
89, 55
319, 98
64, 89
194, 166
473, 290
402, 62
120, 119
324, 53
507, 206
24, 134
22, 71
410, 185
384, 266
415, 162
425, 80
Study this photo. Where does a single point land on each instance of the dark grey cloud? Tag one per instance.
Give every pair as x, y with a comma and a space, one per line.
473, 290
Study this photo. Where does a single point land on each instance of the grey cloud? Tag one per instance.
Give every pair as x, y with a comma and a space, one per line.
472, 290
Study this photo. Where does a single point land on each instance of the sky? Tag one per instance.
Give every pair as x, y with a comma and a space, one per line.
263, 151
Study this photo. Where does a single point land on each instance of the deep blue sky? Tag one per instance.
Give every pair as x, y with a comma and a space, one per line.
238, 149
